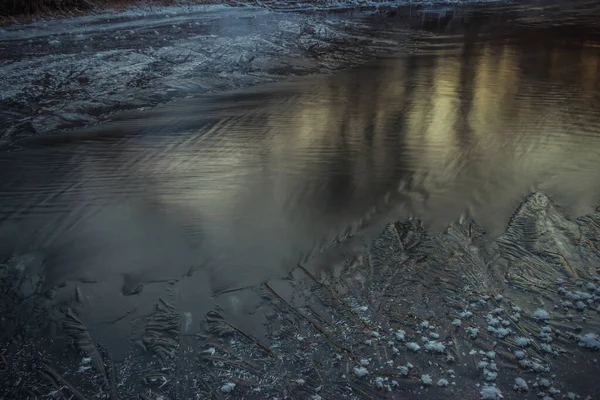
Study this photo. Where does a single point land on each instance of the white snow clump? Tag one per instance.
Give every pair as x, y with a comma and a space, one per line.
541, 314
589, 341
491, 393
426, 379
413, 346
520, 385
228, 387
401, 335
436, 347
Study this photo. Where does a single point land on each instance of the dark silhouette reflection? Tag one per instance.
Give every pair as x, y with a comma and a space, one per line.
236, 188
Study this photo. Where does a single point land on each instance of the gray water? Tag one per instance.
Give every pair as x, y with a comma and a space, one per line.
225, 191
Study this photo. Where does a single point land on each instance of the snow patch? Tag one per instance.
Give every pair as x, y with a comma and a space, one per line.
228, 387
520, 385
413, 346
442, 382
491, 393
546, 347
500, 333
520, 354
541, 314
522, 341
489, 375
472, 331
589, 341
574, 295
426, 379
533, 365
436, 347
401, 335
545, 383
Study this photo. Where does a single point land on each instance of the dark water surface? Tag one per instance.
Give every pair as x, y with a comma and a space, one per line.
229, 190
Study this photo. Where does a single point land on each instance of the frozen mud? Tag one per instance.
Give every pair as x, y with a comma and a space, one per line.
68, 73
383, 325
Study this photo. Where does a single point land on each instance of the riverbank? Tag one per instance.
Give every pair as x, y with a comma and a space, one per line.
76, 72
65, 73
28, 11
452, 315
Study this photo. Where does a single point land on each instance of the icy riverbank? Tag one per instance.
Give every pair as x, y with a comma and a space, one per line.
66, 73
455, 315
62, 74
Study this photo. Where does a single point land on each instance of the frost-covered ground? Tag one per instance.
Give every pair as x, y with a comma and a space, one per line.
455, 315
66, 73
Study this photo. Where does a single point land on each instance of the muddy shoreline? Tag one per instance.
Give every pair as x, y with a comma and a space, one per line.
65, 74
469, 312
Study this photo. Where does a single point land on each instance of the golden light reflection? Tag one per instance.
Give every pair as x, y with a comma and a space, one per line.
264, 184
482, 127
